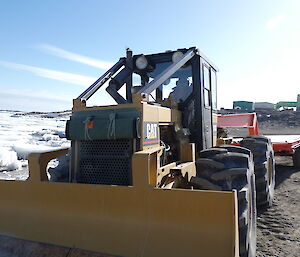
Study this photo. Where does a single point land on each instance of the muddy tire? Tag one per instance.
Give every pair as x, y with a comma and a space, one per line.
226, 169
296, 158
264, 168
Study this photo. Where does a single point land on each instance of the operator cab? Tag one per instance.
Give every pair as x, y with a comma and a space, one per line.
183, 79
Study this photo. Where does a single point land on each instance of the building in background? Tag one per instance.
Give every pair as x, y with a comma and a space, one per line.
289, 105
286, 105
252, 106
243, 105
264, 106
298, 103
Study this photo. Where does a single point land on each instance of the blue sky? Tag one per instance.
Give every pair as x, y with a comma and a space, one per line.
52, 50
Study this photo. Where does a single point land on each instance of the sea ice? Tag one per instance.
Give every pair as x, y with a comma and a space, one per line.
25, 133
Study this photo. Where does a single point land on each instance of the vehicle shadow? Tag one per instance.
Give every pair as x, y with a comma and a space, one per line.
284, 169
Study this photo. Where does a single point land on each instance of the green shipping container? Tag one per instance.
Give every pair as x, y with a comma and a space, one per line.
243, 105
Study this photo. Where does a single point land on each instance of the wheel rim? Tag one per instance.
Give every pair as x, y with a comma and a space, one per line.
270, 171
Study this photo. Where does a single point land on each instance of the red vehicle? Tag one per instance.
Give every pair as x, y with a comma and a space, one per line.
283, 145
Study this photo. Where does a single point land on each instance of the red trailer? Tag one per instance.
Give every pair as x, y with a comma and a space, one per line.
283, 145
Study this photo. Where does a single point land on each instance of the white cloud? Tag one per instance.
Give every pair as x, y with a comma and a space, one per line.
32, 104
75, 57
29, 100
43, 94
52, 74
43, 100
273, 23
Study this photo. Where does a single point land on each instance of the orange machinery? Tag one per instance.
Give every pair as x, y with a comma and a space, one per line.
284, 145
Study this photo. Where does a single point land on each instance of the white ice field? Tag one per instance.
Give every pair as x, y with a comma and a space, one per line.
24, 133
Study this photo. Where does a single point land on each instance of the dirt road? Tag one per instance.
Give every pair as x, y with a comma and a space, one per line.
278, 228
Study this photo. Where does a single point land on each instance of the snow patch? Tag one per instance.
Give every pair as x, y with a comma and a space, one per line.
9, 160
48, 137
23, 150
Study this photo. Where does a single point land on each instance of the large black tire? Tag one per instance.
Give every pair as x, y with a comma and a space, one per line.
264, 168
296, 158
227, 168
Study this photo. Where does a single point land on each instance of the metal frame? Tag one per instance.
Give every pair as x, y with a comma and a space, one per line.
101, 81
125, 76
286, 148
198, 102
161, 78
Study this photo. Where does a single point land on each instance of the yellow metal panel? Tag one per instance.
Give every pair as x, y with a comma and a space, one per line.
38, 163
126, 221
164, 114
163, 171
79, 106
153, 169
150, 113
122, 221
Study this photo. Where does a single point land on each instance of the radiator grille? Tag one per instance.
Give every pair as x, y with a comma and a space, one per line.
106, 162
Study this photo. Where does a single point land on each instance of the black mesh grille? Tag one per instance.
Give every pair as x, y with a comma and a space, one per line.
106, 162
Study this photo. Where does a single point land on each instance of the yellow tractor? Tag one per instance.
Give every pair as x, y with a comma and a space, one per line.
145, 176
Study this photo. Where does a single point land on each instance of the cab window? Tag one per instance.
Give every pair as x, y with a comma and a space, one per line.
206, 81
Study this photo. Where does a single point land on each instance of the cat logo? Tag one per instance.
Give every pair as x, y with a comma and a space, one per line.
151, 133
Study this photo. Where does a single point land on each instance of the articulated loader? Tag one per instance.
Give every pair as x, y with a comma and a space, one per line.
145, 176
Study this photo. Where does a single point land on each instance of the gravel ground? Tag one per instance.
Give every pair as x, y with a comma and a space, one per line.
278, 228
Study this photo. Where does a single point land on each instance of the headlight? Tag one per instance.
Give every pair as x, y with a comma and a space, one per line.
177, 56
141, 62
